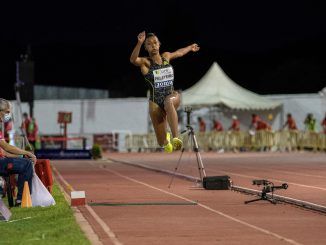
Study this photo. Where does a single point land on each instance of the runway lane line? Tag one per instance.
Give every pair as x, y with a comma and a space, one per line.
267, 232
103, 225
257, 177
301, 203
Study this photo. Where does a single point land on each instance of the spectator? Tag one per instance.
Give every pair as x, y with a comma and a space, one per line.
32, 131
10, 160
323, 124
235, 126
31, 128
7, 128
217, 126
258, 123
26, 120
310, 123
202, 125
290, 122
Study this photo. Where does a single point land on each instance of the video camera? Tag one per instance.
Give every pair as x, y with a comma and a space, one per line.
283, 186
260, 182
268, 185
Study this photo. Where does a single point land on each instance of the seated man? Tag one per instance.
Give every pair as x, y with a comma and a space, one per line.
10, 160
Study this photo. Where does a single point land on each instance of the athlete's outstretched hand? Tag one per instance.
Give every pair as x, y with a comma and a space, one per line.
194, 47
141, 37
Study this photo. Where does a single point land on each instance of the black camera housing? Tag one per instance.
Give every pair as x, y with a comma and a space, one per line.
260, 182
188, 109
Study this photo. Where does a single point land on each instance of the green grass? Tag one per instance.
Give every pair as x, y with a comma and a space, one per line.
47, 225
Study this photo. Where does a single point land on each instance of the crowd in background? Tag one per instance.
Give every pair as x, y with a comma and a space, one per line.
29, 127
257, 123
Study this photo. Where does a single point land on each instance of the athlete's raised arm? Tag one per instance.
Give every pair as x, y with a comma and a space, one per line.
134, 58
181, 52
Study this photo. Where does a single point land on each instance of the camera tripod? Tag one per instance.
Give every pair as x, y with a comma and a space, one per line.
194, 146
268, 187
262, 197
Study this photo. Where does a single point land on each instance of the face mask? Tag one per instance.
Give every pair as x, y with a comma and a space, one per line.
7, 117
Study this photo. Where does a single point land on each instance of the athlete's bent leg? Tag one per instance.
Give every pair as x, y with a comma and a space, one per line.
171, 105
158, 118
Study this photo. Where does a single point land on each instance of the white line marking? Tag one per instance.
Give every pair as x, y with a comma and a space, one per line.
287, 172
205, 207
104, 226
168, 172
19, 219
257, 177
62, 179
300, 174
250, 177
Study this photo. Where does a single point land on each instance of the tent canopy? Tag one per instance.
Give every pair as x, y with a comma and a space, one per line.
215, 88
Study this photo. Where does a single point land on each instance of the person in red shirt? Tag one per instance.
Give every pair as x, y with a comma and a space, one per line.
259, 124
217, 126
323, 124
2, 153
235, 126
26, 121
32, 131
30, 127
290, 122
202, 125
7, 127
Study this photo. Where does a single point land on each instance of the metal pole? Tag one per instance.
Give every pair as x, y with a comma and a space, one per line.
201, 168
65, 136
21, 117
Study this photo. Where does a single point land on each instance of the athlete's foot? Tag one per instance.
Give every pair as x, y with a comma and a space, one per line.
168, 146
177, 144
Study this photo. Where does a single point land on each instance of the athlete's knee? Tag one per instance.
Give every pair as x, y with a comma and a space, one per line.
168, 104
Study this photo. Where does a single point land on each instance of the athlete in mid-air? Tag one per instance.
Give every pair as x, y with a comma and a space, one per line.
159, 75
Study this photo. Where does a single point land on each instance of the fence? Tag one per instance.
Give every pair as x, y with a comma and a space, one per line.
280, 140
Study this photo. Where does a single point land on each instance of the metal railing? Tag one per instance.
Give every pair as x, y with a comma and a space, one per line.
228, 140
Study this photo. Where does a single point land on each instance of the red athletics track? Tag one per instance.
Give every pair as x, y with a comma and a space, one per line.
221, 217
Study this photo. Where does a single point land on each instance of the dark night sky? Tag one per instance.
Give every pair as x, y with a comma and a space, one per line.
266, 47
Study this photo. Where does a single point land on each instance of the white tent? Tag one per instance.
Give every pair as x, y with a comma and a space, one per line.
215, 88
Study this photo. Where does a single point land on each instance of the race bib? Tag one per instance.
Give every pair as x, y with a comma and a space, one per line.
163, 77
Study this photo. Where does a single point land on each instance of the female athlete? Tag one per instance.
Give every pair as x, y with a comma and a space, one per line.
159, 75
